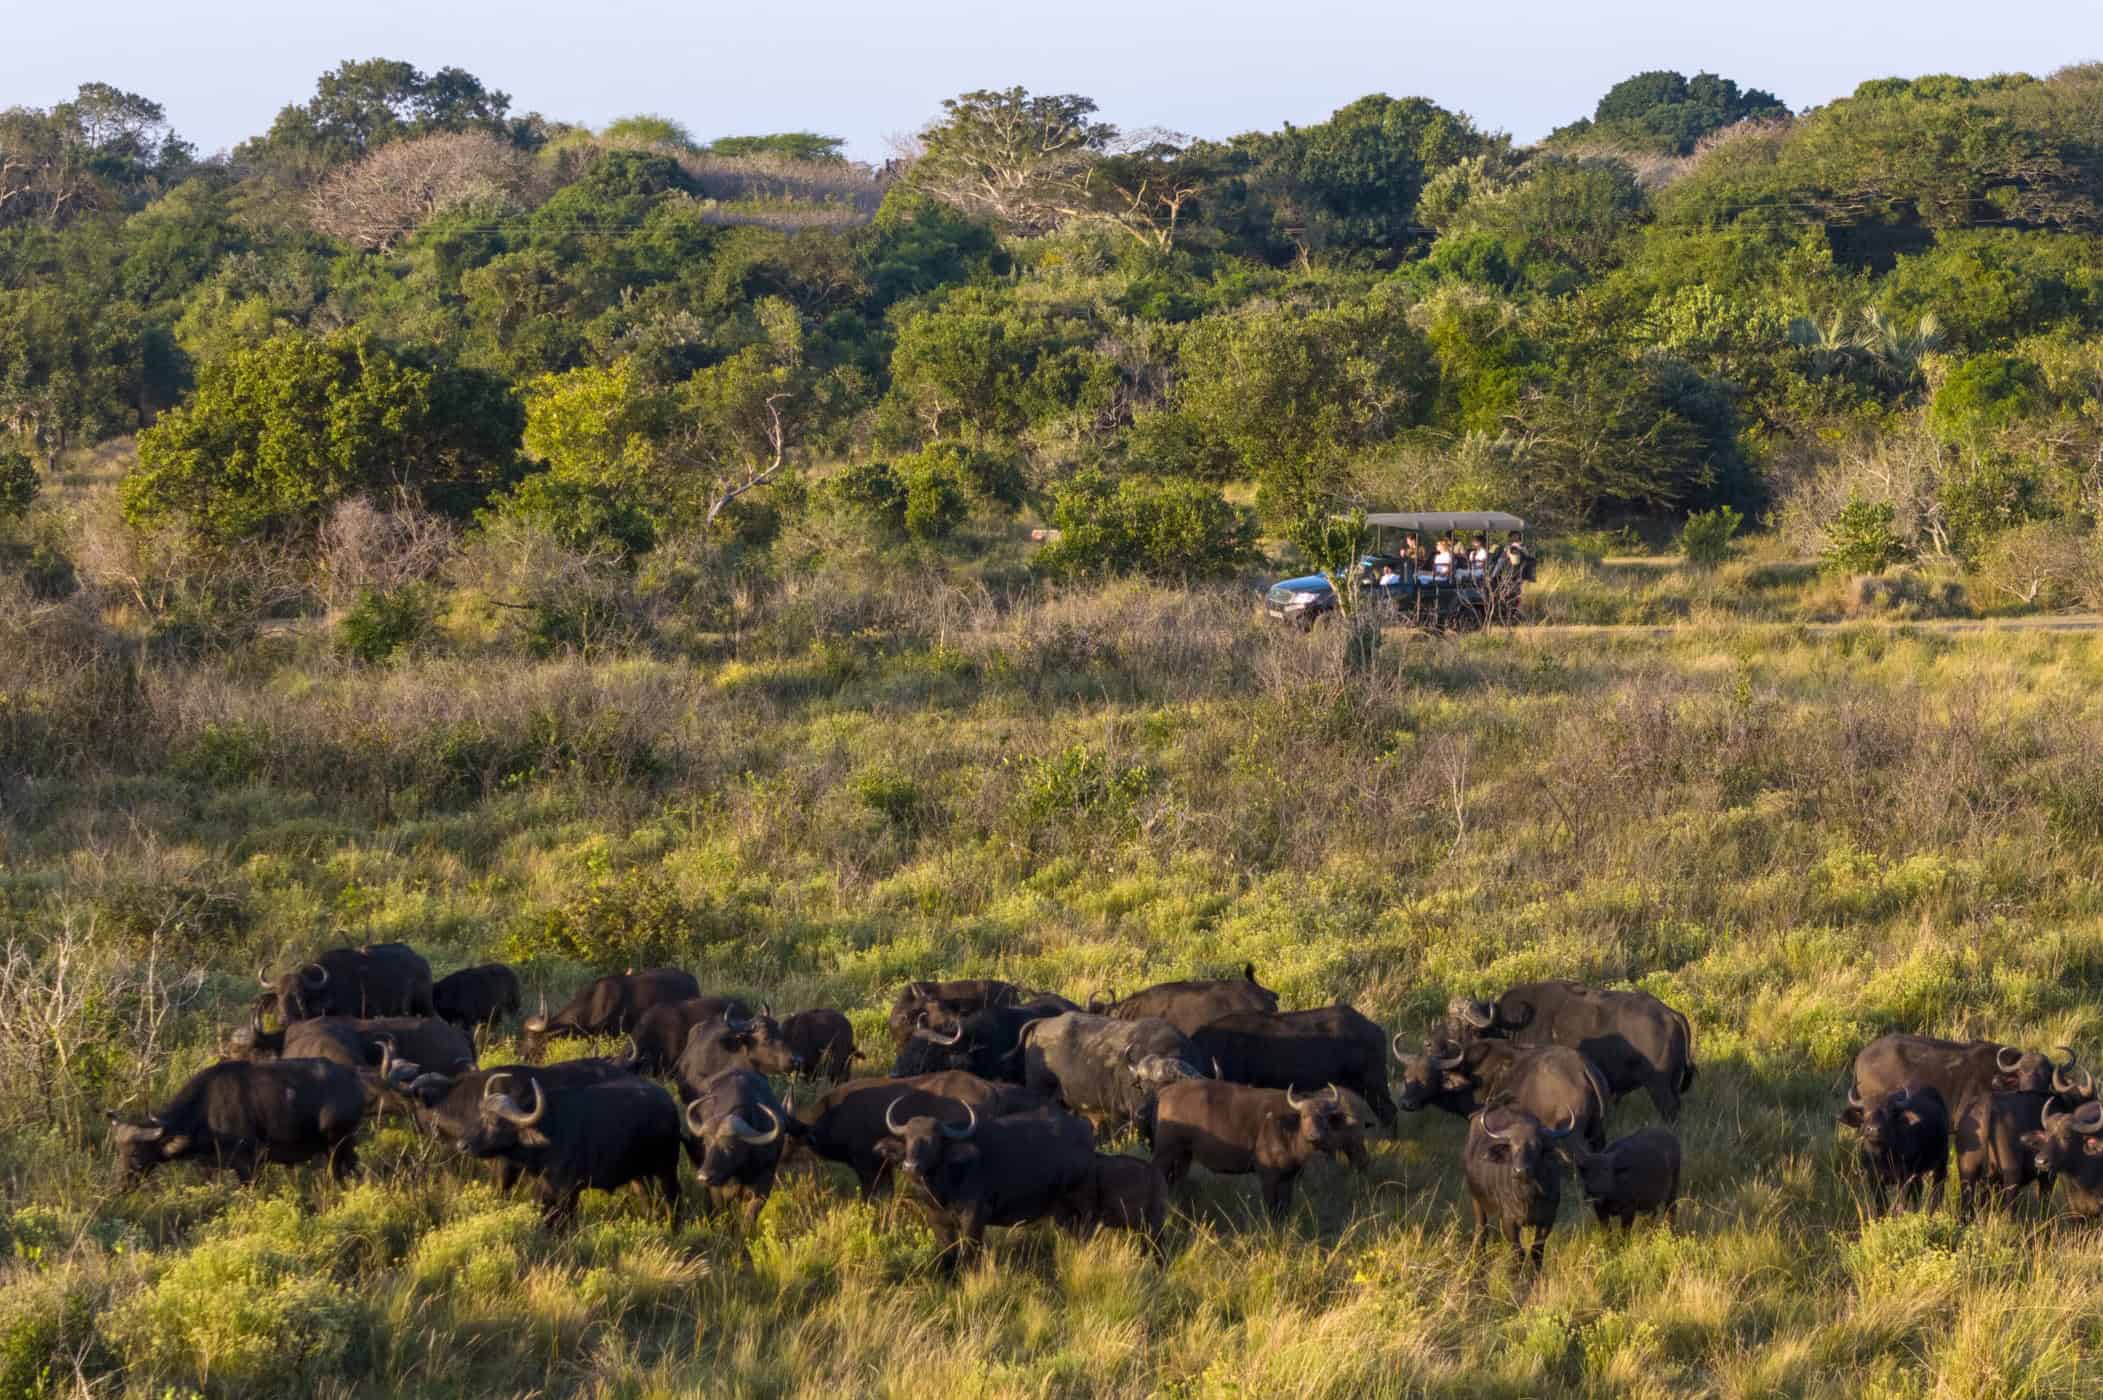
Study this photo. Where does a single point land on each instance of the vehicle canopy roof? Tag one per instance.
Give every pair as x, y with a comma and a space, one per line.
1435, 521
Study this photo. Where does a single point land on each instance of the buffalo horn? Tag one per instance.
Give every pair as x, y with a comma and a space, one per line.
1475, 1013
2048, 1120
264, 981
2089, 1117
1563, 1131
1854, 1096
747, 1133
507, 1108
970, 1127
1493, 1134
490, 1089
953, 1038
891, 1117
1217, 1072
1449, 1061
692, 1125
1395, 1044
312, 982
1292, 1100
2008, 1058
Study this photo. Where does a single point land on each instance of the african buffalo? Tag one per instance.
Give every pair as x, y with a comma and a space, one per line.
848, 1124
1189, 1005
727, 1043
1120, 1193
609, 1006
946, 1002
1958, 1070
235, 1115
1635, 1040
1905, 1142
1105, 1068
972, 1174
824, 1038
379, 979
735, 1131
660, 1033
1634, 1175
356, 1041
986, 1042
1279, 1049
475, 997
1548, 1082
1514, 1175
1235, 1129
2067, 1147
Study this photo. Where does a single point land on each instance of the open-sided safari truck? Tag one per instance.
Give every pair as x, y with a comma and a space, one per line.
1406, 575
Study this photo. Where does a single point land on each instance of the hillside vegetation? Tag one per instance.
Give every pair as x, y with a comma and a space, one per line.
591, 549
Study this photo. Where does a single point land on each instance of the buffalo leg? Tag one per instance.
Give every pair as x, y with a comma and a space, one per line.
1603, 1211
1665, 1094
1482, 1223
558, 1205
1540, 1245
1277, 1192
1174, 1163
343, 1159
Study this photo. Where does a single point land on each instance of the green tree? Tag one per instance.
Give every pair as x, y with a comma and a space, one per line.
361, 104
1667, 111
788, 145
1017, 159
1178, 530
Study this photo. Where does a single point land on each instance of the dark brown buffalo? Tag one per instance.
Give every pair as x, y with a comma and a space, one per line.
735, 1133
1120, 1193
1515, 1176
1279, 1049
1107, 1069
1958, 1070
1905, 1143
2068, 1147
728, 1043
1235, 1130
847, 1125
610, 1006
987, 1042
660, 1033
1634, 1175
379, 979
945, 1003
236, 1115
1189, 1005
1548, 1082
969, 1175
357, 1041
824, 1038
475, 997
570, 1127
1635, 1040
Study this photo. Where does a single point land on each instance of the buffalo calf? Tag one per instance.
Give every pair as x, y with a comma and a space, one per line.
1120, 1193
1635, 1175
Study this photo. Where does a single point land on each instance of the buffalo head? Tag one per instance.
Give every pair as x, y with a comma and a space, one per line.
722, 1147
921, 1146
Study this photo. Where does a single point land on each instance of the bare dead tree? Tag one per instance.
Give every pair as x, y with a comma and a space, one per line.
737, 481
401, 186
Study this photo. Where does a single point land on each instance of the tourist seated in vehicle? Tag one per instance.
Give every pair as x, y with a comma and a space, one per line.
1389, 576
1479, 555
1442, 559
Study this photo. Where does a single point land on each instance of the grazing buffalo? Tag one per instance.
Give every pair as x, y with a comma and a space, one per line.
987, 1042
824, 1038
1278, 1049
1189, 1005
1120, 1193
1515, 1176
972, 1174
1905, 1142
379, 979
2067, 1147
1959, 1070
475, 997
356, 1041
1635, 1175
1548, 1082
1636, 1041
848, 1125
570, 1131
1107, 1069
235, 1115
660, 1033
1994, 1160
714, 1046
1235, 1130
734, 1136
610, 1006
945, 1002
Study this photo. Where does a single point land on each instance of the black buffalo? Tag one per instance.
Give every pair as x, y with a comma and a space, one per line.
1279, 1049
592, 1127
1236, 1130
848, 1124
969, 1175
1107, 1069
1905, 1142
475, 997
1636, 1041
1958, 1070
729, 1043
236, 1115
1515, 1176
1189, 1005
944, 1003
1548, 1082
660, 1033
379, 979
2068, 1147
358, 1041
1120, 1193
987, 1042
1634, 1175
824, 1038
735, 1131
610, 1006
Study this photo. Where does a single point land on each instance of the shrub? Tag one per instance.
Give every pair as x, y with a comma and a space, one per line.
1860, 539
383, 621
1168, 529
2043, 564
18, 484
630, 918
1706, 538
924, 496
1080, 781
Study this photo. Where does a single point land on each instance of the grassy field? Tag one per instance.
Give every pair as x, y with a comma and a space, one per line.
1801, 839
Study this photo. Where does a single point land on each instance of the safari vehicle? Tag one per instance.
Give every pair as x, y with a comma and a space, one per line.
1460, 597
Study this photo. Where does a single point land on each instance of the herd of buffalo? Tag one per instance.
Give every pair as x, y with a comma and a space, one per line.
992, 1110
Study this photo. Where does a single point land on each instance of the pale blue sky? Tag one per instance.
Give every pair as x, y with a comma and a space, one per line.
864, 70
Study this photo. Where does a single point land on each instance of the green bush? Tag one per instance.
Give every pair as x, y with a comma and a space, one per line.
629, 918
1860, 539
18, 484
1706, 538
924, 496
1166, 529
1080, 781
384, 621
